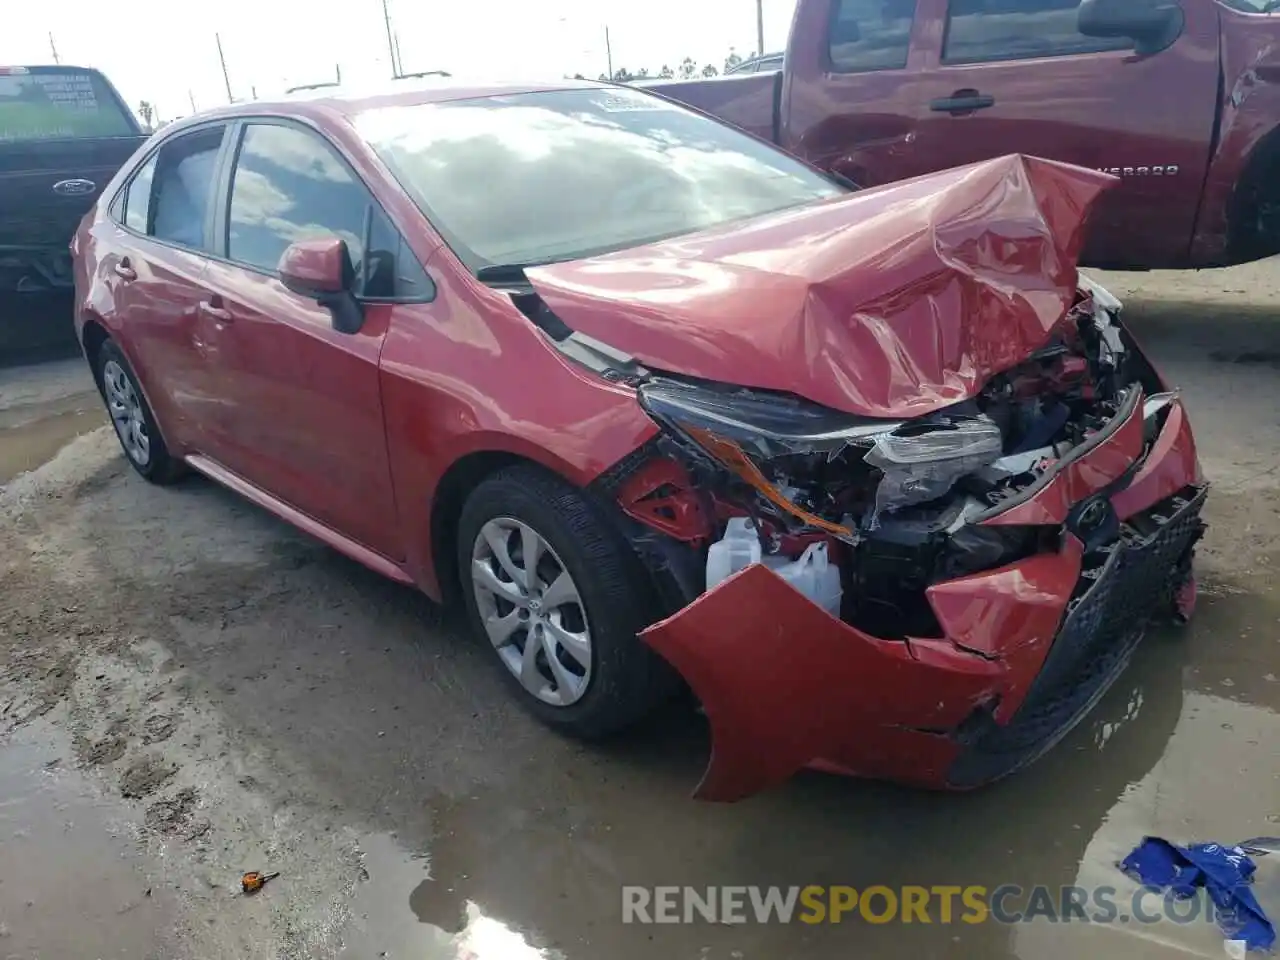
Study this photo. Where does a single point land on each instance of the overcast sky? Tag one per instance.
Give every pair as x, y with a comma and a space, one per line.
158, 50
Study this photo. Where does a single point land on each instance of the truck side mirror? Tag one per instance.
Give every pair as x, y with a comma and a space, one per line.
1152, 25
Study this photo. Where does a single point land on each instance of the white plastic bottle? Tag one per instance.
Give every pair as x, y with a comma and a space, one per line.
739, 548
813, 575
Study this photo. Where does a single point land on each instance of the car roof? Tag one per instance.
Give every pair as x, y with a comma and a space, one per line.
349, 99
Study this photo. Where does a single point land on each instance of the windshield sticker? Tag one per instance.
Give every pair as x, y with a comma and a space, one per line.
629, 104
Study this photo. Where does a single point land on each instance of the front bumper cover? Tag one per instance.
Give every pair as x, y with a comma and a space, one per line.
1027, 648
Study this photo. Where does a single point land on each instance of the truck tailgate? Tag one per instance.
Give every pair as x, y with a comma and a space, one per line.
46, 187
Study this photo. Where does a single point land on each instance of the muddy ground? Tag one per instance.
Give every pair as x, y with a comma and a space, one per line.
190, 689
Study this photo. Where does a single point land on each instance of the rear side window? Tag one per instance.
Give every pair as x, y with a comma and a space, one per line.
52, 104
871, 34
182, 188
980, 31
289, 185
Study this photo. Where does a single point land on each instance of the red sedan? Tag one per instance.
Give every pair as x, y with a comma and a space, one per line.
876, 473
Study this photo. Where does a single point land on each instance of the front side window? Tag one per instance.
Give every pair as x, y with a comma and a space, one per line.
562, 174
871, 34
182, 188
980, 31
290, 185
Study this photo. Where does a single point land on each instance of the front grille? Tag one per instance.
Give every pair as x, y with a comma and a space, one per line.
1123, 586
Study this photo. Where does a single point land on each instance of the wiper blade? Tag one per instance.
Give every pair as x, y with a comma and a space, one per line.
509, 272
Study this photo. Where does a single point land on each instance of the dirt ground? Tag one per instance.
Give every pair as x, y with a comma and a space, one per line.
190, 689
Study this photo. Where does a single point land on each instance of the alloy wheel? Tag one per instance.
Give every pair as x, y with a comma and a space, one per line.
126, 413
531, 609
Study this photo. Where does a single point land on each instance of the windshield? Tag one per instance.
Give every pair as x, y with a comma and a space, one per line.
41, 103
570, 173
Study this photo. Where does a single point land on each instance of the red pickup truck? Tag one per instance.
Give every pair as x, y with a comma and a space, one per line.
1179, 98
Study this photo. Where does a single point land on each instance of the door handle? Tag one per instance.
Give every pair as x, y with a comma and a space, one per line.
124, 271
963, 101
209, 309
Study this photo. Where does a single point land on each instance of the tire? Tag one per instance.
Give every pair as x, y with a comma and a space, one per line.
626, 679
128, 409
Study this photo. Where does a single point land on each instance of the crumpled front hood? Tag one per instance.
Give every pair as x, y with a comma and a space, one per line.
890, 302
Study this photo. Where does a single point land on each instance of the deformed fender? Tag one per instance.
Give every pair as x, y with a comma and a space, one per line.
786, 685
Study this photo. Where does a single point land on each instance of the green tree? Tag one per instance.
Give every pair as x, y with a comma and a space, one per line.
666, 73
732, 60
688, 69
710, 70
148, 113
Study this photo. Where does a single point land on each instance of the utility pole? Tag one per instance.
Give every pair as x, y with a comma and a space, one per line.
192, 97
760, 27
223, 60
399, 62
391, 43
54, 47
608, 51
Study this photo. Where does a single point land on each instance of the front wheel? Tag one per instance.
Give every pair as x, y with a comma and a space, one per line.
559, 597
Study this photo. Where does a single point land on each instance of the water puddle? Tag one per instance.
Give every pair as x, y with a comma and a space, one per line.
71, 879
400, 910
28, 445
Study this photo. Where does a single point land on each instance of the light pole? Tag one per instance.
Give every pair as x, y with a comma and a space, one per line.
760, 27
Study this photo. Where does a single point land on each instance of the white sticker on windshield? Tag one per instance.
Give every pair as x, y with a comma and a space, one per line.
626, 104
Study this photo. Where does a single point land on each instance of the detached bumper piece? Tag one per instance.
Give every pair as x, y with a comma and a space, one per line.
1122, 587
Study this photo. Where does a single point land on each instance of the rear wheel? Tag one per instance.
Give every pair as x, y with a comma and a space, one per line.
559, 597
132, 418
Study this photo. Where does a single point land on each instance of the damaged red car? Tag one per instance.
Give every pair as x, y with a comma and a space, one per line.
877, 474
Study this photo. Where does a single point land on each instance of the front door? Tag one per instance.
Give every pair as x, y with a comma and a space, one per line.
301, 414
1016, 76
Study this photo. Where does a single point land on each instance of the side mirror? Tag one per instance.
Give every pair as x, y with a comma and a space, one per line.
321, 269
1152, 25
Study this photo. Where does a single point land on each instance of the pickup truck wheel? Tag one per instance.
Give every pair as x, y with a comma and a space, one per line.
558, 596
133, 420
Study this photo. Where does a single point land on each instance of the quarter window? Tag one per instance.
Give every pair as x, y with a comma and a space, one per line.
290, 185
984, 30
137, 204
871, 34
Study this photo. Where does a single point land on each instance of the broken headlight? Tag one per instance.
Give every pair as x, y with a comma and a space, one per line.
921, 461
829, 470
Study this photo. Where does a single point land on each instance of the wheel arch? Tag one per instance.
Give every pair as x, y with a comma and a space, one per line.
1244, 241
462, 476
93, 334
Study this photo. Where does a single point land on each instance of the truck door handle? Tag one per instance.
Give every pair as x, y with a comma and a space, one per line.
211, 308
124, 271
963, 101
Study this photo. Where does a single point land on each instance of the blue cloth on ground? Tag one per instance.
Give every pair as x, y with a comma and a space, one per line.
1225, 872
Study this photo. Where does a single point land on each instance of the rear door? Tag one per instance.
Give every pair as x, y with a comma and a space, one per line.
151, 269
301, 406
1015, 76
852, 85
64, 132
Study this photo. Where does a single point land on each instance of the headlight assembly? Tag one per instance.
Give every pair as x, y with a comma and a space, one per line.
816, 465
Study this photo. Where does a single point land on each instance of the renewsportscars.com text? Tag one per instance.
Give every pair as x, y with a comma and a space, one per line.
1007, 904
